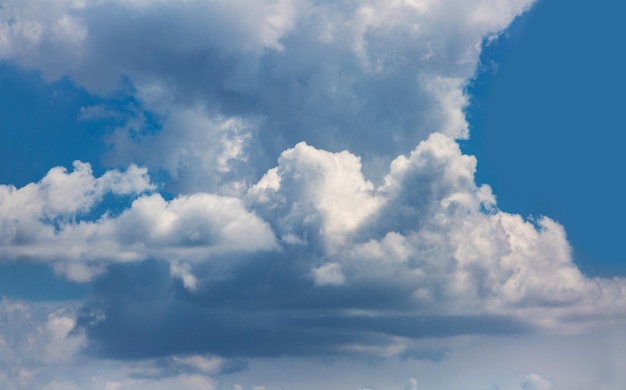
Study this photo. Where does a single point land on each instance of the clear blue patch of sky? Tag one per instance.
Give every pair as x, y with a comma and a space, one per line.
41, 125
547, 124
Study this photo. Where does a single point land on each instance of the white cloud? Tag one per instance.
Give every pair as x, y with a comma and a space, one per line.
429, 226
312, 187
183, 271
47, 221
65, 195
537, 382
328, 274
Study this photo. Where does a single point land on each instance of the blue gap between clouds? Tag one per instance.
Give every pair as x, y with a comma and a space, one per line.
547, 127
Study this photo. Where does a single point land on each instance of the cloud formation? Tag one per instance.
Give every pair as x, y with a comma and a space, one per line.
49, 221
315, 201
249, 79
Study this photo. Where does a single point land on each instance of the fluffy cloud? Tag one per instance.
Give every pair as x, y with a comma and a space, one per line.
50, 221
243, 81
320, 204
425, 254
311, 187
427, 226
358, 268
63, 195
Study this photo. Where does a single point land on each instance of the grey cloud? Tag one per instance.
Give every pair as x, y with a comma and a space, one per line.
40, 348
141, 304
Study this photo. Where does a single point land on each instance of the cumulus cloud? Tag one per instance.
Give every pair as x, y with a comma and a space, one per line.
426, 253
243, 81
63, 195
49, 221
427, 225
429, 255
320, 204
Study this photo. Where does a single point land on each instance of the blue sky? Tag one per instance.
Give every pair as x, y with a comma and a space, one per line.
269, 194
561, 86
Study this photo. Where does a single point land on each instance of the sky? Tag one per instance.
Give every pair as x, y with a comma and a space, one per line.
306, 194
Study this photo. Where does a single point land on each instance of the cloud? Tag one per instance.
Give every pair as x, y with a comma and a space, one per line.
424, 254
319, 204
243, 81
63, 195
537, 382
412, 384
40, 348
428, 225
314, 195
32, 337
50, 221
328, 274
432, 257
183, 271
205, 152
336, 264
